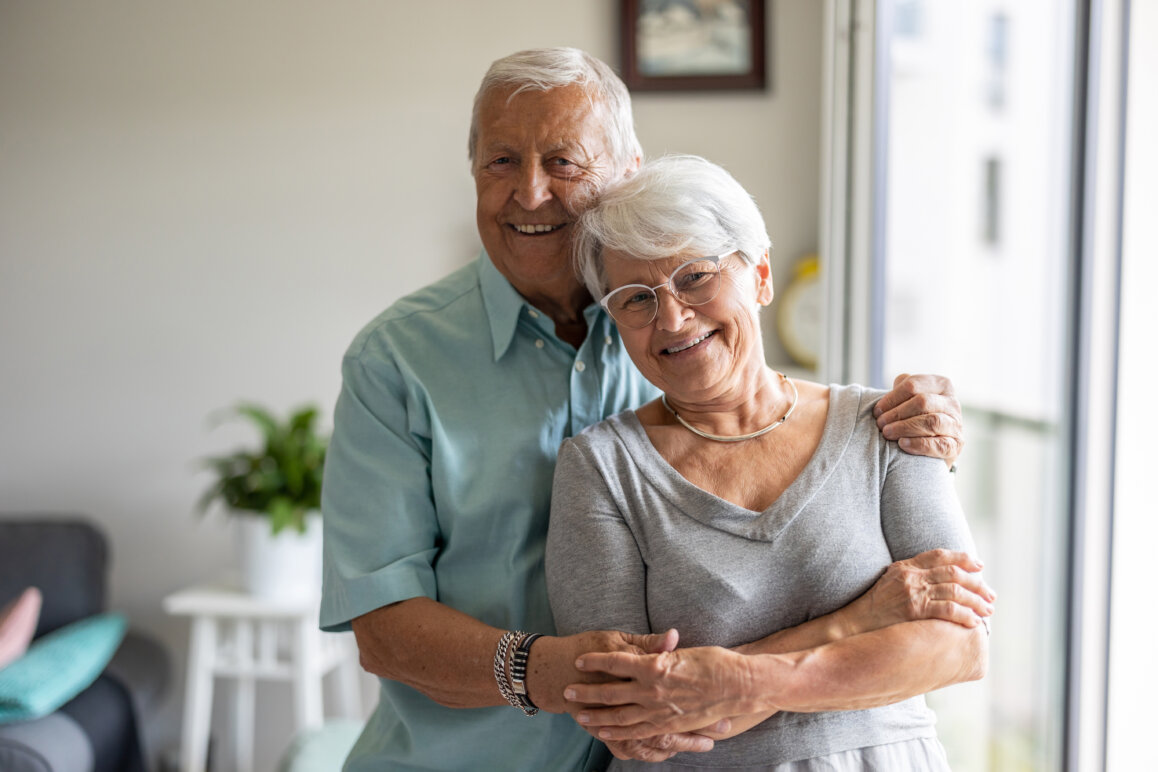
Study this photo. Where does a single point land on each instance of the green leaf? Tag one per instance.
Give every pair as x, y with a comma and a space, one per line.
260, 417
282, 478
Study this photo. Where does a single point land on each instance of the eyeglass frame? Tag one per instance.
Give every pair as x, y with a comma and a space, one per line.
713, 258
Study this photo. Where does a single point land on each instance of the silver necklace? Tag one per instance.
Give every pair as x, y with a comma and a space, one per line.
741, 437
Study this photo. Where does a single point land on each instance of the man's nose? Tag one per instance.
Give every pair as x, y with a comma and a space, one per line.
670, 312
534, 187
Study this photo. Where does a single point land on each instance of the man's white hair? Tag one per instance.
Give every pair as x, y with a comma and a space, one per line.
543, 69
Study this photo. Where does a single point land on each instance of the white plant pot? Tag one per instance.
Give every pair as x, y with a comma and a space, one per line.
285, 567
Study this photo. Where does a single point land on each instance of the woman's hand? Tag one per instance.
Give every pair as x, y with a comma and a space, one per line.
923, 415
677, 691
658, 748
938, 584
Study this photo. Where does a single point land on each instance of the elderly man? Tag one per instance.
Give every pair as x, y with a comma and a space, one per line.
453, 405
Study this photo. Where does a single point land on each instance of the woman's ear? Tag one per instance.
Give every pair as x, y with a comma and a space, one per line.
764, 291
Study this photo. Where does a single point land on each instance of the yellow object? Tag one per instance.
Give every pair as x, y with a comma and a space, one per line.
799, 314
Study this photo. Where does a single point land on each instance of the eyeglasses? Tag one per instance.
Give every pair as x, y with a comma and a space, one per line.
694, 283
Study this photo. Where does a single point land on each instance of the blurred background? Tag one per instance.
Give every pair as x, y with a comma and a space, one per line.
202, 203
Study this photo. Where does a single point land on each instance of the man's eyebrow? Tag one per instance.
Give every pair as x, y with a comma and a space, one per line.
569, 146
495, 147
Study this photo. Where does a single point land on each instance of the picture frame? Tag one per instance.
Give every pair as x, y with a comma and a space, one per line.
693, 45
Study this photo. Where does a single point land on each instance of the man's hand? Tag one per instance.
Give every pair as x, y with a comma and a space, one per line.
923, 415
552, 667
681, 691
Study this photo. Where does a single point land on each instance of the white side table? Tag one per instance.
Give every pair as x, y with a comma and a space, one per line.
235, 635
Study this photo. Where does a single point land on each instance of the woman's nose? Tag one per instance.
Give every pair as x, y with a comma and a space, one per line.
670, 313
534, 188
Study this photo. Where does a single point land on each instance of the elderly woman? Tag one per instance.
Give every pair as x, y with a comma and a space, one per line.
747, 510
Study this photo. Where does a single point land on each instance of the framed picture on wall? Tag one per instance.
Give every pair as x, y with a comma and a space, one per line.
688, 45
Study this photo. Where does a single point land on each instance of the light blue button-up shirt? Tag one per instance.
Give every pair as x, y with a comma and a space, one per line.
438, 483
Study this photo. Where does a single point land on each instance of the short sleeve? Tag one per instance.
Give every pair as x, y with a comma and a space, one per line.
380, 527
919, 507
595, 572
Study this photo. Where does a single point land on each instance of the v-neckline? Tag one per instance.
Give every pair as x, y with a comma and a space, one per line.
715, 512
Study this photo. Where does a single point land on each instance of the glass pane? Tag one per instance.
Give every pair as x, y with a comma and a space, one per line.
976, 271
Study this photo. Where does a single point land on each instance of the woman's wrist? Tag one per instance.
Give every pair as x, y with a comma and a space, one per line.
846, 622
771, 679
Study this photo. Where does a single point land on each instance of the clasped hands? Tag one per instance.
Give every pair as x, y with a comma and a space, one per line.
649, 699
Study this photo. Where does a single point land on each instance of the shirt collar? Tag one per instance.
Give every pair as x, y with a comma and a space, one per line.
502, 302
504, 305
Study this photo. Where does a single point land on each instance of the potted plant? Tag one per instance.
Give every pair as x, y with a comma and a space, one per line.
274, 490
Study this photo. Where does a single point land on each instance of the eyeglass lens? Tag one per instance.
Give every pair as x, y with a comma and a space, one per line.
694, 283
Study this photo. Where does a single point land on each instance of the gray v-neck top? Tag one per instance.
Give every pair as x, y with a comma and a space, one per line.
634, 546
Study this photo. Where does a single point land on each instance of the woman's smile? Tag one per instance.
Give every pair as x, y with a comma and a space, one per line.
686, 344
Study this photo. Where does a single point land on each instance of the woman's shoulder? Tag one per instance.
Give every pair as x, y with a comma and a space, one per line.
854, 400
612, 451
615, 430
850, 423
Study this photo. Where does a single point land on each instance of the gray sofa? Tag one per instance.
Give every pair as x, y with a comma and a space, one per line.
98, 730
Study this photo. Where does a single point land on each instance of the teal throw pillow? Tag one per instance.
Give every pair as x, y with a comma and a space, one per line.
59, 666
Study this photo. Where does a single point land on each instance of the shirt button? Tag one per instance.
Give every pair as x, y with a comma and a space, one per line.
580, 367
539, 343
607, 341
534, 314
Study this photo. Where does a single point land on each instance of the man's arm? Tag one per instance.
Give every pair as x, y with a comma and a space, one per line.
923, 415
449, 657
442, 653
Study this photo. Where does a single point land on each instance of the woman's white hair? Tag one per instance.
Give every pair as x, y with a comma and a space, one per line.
674, 204
543, 69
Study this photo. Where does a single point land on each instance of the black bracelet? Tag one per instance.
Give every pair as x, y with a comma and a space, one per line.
519, 673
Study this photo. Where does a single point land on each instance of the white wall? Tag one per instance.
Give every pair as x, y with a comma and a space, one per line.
203, 202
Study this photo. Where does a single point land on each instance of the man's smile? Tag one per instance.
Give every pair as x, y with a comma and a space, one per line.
529, 230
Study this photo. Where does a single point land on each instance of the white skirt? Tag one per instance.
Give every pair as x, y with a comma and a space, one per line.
921, 755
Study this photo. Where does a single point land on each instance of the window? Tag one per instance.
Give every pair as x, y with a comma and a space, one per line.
958, 149
998, 328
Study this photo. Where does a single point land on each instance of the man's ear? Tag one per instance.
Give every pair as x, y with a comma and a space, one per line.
764, 290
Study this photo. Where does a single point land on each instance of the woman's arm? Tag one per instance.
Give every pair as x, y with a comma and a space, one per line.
936, 584
690, 688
